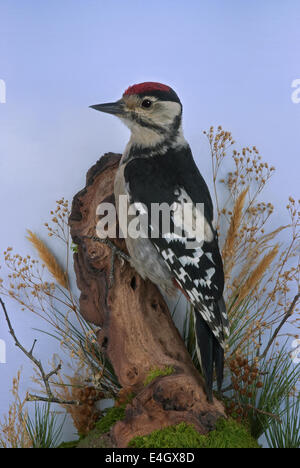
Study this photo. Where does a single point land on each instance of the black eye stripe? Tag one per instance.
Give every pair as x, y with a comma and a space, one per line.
146, 103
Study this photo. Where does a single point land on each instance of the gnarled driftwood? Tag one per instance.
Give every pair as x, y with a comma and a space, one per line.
137, 331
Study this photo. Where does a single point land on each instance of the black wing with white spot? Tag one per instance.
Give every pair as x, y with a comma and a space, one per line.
192, 255
173, 178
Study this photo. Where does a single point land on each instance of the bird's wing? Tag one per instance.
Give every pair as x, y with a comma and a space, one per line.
193, 257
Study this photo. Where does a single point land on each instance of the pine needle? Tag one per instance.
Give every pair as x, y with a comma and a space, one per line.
48, 258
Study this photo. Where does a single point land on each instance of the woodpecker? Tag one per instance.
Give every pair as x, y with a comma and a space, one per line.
157, 166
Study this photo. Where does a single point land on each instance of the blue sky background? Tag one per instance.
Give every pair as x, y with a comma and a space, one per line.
232, 62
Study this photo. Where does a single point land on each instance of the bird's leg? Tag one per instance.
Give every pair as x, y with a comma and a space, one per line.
115, 251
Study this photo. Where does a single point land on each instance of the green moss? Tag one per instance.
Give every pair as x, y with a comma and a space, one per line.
69, 445
95, 440
97, 437
112, 416
157, 372
129, 397
228, 434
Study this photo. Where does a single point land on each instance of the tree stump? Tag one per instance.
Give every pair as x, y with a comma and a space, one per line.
137, 331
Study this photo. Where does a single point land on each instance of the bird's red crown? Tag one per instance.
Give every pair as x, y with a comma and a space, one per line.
146, 87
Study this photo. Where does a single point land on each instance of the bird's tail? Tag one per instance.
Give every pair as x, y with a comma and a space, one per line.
210, 354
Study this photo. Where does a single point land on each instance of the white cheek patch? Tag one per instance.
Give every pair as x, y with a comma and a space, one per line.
142, 135
162, 115
165, 112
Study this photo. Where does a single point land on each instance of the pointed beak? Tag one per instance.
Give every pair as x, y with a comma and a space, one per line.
115, 108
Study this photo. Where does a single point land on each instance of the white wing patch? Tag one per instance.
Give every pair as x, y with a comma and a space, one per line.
192, 236
168, 255
191, 259
189, 217
182, 274
171, 236
209, 256
210, 272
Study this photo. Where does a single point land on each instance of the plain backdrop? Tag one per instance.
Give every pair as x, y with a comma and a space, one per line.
231, 62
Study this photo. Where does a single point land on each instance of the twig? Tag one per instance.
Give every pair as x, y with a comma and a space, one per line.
31, 397
287, 315
32, 348
271, 415
45, 377
227, 389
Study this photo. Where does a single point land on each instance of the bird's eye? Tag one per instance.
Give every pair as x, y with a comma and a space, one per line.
146, 103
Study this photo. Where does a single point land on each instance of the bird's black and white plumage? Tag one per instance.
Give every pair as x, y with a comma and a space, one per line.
158, 168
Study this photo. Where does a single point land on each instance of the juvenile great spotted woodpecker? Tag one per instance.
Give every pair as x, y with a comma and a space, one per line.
158, 167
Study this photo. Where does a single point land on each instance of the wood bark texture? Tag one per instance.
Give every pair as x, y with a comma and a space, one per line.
137, 331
